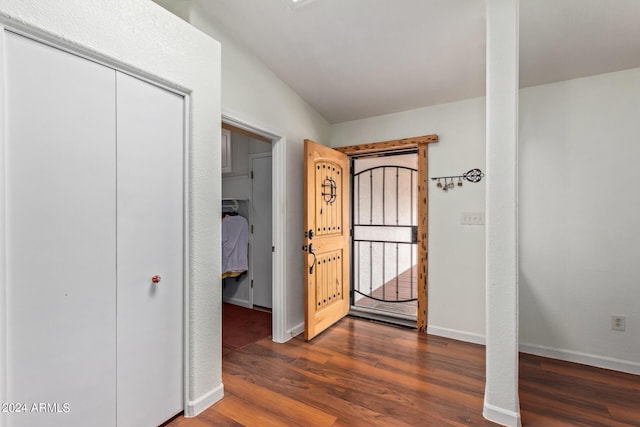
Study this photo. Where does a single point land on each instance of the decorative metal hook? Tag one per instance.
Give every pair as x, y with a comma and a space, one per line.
474, 175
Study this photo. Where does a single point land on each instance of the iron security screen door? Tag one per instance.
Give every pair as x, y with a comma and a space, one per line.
384, 238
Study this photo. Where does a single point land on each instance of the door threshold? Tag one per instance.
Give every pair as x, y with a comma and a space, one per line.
395, 319
261, 308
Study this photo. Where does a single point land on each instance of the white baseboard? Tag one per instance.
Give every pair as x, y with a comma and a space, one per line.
456, 335
583, 358
501, 416
552, 353
290, 333
194, 407
296, 330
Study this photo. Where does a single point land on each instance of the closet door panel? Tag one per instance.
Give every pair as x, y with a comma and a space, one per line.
150, 243
261, 218
61, 237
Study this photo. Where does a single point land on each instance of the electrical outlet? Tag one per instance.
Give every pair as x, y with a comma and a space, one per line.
617, 323
472, 218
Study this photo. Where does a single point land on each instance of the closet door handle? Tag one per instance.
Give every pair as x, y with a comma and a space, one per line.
314, 258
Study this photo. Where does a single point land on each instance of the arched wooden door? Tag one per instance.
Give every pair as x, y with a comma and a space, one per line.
326, 243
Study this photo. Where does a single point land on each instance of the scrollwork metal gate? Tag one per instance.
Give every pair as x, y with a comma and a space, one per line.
384, 238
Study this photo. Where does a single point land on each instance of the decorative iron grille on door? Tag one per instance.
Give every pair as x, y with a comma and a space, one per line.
384, 236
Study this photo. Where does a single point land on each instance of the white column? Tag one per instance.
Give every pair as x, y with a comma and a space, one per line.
501, 403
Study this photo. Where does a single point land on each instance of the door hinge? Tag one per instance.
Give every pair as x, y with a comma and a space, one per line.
273, 248
251, 174
251, 228
251, 283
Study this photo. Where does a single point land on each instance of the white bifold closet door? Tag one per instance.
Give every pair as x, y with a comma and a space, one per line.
60, 235
150, 236
94, 202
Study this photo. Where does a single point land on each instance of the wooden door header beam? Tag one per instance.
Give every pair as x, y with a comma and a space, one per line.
388, 145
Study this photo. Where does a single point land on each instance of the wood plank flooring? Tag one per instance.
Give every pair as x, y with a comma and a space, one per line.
360, 373
403, 287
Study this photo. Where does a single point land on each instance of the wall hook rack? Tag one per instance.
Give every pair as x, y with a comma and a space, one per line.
474, 175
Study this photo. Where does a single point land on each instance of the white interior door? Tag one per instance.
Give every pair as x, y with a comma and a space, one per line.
60, 236
150, 243
261, 218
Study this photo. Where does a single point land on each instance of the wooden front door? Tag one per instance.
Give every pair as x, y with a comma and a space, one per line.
326, 242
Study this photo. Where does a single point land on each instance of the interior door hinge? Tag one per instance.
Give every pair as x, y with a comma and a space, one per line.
251, 228
251, 283
251, 174
273, 248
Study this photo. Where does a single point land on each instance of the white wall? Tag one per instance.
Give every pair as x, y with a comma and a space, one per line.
501, 401
576, 179
579, 239
253, 94
140, 36
456, 252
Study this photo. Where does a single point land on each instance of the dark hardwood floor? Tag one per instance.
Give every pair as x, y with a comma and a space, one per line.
360, 373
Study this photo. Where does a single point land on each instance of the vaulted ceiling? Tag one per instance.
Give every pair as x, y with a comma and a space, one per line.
352, 59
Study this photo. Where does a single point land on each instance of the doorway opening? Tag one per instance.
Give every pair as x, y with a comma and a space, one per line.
384, 279
250, 184
383, 148
246, 203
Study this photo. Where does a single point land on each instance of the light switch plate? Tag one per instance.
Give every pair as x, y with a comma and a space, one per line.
472, 218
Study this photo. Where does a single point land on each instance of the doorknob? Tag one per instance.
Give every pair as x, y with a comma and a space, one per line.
156, 279
314, 258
